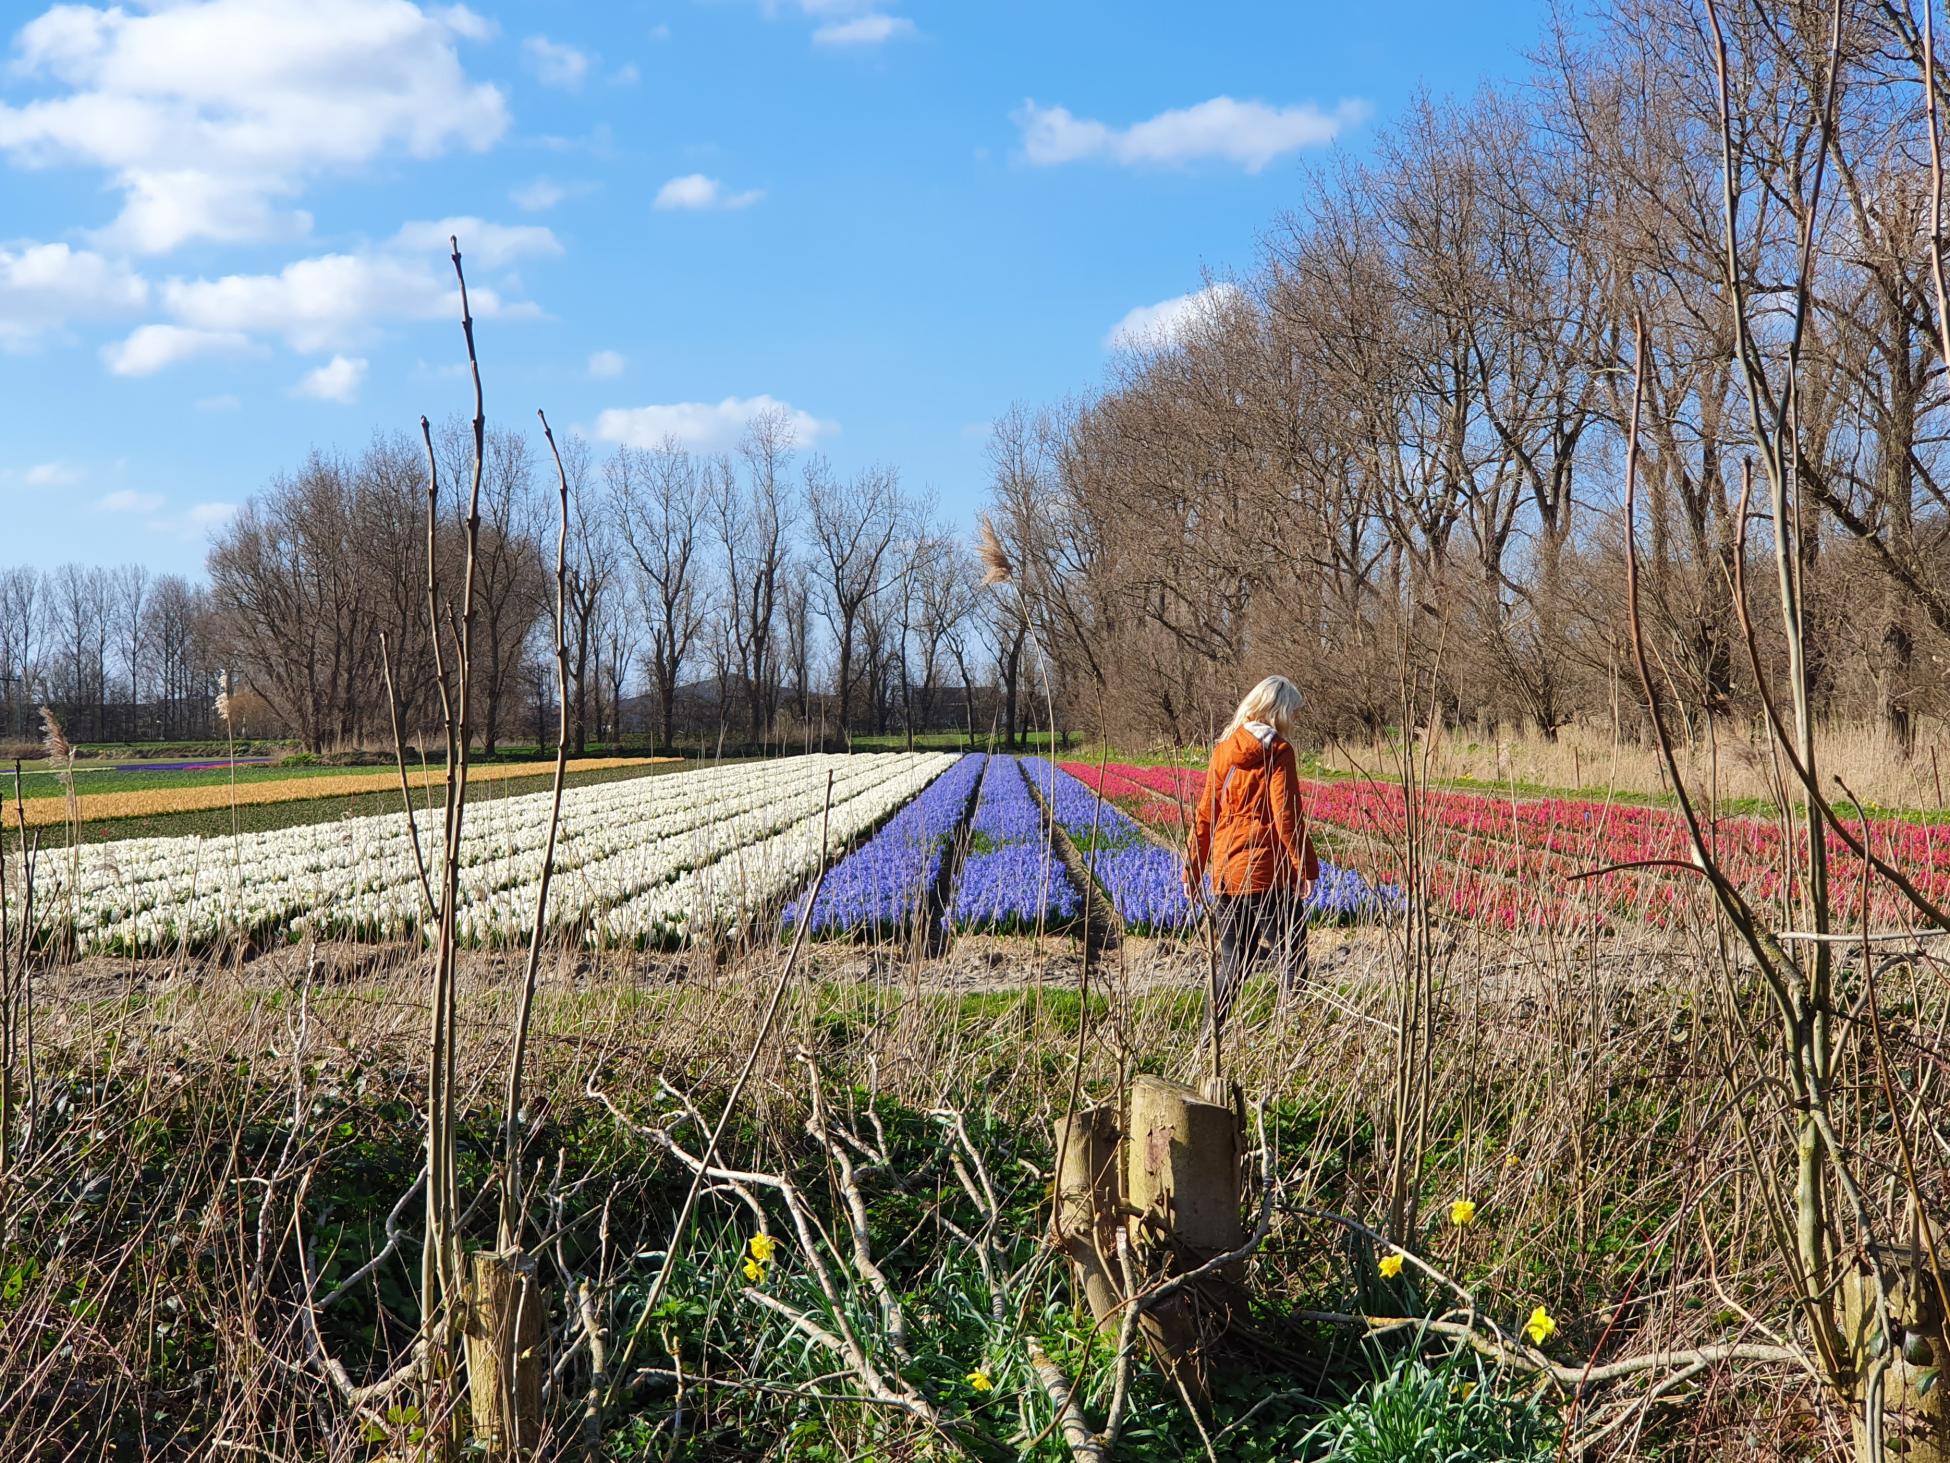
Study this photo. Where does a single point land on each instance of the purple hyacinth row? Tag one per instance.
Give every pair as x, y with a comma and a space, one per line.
1012, 879
882, 886
1145, 882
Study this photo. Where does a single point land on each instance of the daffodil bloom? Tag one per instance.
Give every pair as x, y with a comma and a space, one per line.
763, 1248
1540, 1327
1462, 1212
979, 1380
1463, 1391
1391, 1266
754, 1272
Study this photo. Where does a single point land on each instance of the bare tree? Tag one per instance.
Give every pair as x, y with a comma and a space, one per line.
755, 518
854, 525
592, 574
656, 501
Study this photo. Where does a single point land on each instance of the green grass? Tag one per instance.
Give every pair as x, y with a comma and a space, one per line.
260, 817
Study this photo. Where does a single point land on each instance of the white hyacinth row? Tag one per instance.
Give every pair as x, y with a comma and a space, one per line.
653, 860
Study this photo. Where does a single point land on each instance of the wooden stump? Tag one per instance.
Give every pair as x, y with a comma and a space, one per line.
1089, 1205
1916, 1410
1181, 1170
1148, 1198
505, 1327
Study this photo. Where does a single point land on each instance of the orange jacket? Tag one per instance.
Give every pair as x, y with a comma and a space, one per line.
1249, 829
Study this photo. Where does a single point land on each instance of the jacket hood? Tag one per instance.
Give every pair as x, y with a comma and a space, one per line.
1244, 748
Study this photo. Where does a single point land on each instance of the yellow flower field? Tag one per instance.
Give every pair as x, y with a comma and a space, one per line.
105, 806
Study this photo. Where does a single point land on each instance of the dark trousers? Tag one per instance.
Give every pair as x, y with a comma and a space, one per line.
1275, 917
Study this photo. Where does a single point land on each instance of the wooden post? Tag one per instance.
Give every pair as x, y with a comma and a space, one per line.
505, 1326
1154, 1196
1182, 1198
1088, 1205
1915, 1408
1181, 1169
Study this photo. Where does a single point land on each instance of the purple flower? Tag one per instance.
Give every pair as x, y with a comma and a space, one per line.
887, 883
1012, 879
1144, 881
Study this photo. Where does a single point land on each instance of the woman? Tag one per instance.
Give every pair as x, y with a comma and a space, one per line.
1251, 835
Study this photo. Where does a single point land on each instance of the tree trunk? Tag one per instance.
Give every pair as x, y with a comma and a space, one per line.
504, 1354
1087, 1202
1915, 1410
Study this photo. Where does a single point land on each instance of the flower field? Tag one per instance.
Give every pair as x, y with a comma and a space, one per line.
643, 862
886, 884
94, 807
947, 843
1516, 864
1012, 880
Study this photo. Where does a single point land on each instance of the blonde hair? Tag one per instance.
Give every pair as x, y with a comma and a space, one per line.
1274, 701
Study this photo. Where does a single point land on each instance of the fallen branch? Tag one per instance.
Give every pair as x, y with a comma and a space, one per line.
1082, 1443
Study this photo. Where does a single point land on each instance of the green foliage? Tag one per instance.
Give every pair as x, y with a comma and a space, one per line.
1452, 1410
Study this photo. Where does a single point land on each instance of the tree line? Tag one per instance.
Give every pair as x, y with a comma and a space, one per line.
752, 598
120, 651
1389, 458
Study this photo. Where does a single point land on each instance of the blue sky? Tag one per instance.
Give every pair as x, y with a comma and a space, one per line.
221, 240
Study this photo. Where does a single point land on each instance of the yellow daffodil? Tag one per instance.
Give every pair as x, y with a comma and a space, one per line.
754, 1272
1391, 1266
1463, 1391
1462, 1212
763, 1248
1540, 1327
979, 1380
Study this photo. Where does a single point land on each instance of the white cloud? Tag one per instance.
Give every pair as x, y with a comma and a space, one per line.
44, 286
1149, 327
625, 75
127, 500
334, 301
337, 380
605, 364
555, 63
53, 475
696, 191
704, 426
196, 523
489, 245
539, 196
659, 32
465, 23
1250, 134
206, 516
222, 402
210, 115
328, 302
864, 30
149, 348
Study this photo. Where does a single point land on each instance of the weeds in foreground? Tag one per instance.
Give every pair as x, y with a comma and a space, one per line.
220, 1152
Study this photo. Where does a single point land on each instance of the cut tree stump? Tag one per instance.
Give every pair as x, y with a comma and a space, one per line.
1153, 1196
1915, 1408
505, 1327
1089, 1208
1181, 1170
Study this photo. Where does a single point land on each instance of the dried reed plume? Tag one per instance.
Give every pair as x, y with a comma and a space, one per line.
997, 568
53, 739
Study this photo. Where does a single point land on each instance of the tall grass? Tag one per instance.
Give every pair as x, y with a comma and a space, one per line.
224, 1151
1730, 759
